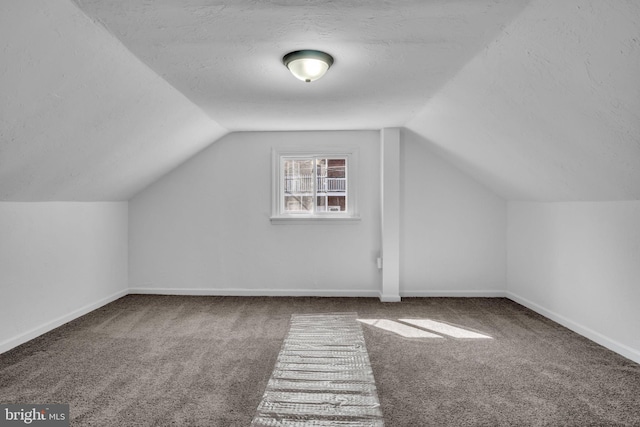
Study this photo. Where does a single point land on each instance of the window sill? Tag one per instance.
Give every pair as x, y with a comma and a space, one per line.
276, 220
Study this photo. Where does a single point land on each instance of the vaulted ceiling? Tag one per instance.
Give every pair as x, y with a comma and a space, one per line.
537, 99
550, 109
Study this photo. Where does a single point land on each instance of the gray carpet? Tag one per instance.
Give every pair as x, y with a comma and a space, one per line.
206, 361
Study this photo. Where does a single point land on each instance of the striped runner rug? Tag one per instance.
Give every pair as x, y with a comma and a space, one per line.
323, 376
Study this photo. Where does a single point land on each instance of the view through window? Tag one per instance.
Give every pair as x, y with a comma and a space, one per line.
314, 185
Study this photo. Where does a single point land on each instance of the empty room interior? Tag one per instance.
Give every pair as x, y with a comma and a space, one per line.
320, 213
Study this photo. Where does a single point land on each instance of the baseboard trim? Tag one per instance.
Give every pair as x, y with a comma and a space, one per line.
51, 325
455, 294
257, 292
389, 298
615, 346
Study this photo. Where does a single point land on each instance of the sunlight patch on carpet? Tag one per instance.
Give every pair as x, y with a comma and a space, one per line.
398, 328
423, 328
445, 328
323, 376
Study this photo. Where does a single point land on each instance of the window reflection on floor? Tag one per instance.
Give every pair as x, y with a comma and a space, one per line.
399, 328
424, 328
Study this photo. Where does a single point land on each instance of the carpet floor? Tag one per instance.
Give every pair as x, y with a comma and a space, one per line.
206, 361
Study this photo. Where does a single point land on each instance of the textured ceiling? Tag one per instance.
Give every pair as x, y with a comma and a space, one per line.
550, 111
81, 118
225, 56
537, 99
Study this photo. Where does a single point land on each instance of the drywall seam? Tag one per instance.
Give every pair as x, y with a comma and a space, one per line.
613, 345
259, 292
55, 323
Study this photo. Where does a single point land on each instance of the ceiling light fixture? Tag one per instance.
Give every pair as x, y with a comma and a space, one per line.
307, 65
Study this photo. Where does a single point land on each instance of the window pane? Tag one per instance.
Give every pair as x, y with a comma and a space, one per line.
300, 203
332, 185
298, 185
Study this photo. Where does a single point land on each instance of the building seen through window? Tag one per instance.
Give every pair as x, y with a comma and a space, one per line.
315, 185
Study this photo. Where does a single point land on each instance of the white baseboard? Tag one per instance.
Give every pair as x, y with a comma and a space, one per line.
257, 292
624, 350
49, 326
455, 294
389, 298
314, 293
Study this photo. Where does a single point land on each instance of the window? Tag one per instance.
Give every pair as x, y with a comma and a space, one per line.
314, 186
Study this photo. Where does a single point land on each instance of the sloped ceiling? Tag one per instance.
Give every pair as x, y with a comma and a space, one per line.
537, 99
549, 111
81, 118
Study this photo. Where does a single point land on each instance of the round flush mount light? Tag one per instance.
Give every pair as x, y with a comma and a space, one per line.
307, 65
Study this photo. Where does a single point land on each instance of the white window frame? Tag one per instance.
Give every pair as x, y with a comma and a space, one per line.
278, 215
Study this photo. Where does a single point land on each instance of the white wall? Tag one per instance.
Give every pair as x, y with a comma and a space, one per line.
205, 228
579, 264
453, 229
58, 260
